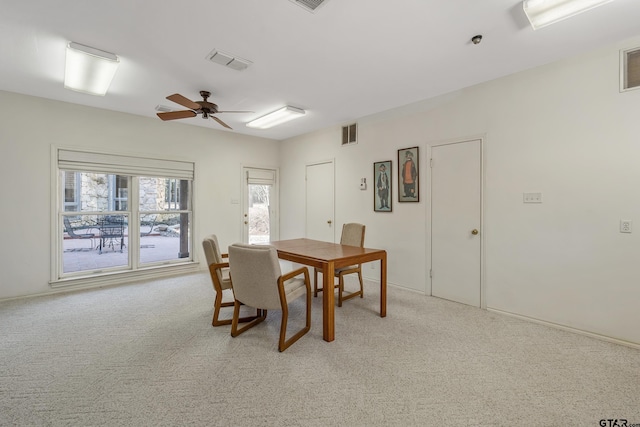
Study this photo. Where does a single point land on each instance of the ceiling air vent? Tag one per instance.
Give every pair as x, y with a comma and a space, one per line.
310, 5
228, 60
350, 134
630, 78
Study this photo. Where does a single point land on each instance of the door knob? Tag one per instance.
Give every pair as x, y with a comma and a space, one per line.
474, 231
246, 222
329, 222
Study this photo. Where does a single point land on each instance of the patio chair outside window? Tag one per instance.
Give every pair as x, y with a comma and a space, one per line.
71, 231
111, 232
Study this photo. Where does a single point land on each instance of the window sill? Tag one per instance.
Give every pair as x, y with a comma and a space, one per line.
121, 277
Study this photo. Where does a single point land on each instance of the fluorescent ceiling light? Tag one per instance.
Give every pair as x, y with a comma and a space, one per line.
89, 70
545, 12
280, 116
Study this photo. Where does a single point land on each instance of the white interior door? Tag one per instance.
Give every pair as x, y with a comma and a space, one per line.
456, 206
260, 205
320, 201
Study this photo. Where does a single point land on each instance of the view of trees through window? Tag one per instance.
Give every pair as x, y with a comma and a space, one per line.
259, 219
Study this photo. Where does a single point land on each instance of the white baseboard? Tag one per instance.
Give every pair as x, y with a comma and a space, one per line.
568, 328
111, 280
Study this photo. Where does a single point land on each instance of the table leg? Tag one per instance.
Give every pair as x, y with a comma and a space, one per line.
328, 302
383, 285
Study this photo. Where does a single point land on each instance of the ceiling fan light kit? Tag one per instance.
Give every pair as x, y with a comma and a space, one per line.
546, 12
277, 117
89, 70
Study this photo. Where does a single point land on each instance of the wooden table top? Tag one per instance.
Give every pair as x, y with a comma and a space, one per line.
325, 251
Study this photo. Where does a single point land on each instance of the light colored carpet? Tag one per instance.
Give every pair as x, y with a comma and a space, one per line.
146, 354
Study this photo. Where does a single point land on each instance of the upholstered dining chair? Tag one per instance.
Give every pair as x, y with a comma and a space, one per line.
258, 282
352, 235
219, 272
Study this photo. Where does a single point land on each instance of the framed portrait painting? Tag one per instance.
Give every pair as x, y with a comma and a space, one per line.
382, 200
408, 181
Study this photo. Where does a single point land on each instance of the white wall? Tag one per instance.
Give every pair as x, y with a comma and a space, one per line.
28, 128
563, 129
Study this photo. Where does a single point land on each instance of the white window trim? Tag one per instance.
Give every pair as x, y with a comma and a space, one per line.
154, 167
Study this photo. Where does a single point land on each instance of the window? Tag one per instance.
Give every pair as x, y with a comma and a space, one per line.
71, 191
120, 214
118, 190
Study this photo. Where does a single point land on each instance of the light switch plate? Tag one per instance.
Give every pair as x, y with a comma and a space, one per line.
532, 197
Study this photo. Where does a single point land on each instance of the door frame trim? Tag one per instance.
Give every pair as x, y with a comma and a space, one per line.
482, 138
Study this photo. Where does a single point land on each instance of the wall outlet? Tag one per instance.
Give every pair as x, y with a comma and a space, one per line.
625, 226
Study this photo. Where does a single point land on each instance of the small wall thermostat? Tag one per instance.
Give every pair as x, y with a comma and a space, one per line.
363, 183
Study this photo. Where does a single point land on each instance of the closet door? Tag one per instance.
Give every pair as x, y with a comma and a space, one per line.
319, 196
456, 234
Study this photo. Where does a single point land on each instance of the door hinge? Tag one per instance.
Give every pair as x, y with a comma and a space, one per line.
431, 274
431, 163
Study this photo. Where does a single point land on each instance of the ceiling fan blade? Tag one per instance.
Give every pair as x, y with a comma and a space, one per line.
172, 115
221, 122
185, 102
218, 112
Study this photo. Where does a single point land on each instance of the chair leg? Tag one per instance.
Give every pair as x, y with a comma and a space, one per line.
315, 283
284, 344
342, 297
216, 312
261, 315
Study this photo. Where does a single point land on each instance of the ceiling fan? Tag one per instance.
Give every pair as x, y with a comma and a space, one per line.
204, 107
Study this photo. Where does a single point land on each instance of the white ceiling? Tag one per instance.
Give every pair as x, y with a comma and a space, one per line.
349, 59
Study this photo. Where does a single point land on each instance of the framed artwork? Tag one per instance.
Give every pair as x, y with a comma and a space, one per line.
408, 167
382, 200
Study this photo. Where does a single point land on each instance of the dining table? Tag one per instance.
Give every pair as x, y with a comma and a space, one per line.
328, 257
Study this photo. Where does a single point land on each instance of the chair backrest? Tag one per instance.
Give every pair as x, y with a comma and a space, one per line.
67, 226
153, 223
352, 234
111, 226
254, 275
212, 252
212, 249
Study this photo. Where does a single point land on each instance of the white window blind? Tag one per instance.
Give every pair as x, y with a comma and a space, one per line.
261, 176
125, 165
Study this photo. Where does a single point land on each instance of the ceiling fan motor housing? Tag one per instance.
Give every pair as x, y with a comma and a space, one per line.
206, 107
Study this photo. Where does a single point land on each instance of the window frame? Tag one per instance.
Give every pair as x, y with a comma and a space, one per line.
133, 270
